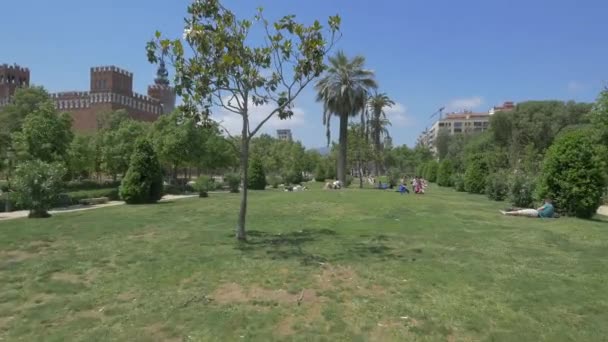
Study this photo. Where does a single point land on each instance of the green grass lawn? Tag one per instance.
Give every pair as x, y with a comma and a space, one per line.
348, 265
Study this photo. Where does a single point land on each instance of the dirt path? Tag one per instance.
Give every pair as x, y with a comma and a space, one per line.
23, 213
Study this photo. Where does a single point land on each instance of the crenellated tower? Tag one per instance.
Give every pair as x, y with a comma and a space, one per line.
11, 78
161, 90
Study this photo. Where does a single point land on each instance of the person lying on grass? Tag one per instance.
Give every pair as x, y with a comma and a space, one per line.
545, 211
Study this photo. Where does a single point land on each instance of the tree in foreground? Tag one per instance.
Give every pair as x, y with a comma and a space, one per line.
143, 182
37, 185
224, 69
257, 176
344, 92
573, 174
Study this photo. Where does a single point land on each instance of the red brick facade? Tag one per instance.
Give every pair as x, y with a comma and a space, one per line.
111, 88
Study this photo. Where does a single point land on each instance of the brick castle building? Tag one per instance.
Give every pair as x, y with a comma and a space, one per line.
11, 78
111, 88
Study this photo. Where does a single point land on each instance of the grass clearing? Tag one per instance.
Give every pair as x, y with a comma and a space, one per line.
336, 265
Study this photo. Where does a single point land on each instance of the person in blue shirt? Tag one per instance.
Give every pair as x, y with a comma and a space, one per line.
545, 211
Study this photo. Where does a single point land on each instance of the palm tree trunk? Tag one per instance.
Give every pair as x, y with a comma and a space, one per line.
343, 148
241, 234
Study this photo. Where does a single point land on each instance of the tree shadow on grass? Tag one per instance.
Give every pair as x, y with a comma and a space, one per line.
292, 245
285, 245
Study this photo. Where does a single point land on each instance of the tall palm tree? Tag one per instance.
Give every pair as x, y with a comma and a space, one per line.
343, 90
378, 122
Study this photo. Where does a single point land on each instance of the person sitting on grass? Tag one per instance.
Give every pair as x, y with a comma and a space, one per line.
403, 189
545, 211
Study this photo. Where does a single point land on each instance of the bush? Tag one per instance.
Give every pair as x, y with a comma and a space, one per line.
497, 186
274, 181
90, 185
458, 181
475, 175
38, 185
172, 189
233, 180
521, 190
444, 173
143, 182
203, 185
256, 179
293, 177
320, 173
573, 174
431, 171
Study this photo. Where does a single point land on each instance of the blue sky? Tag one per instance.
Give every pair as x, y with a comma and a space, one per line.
467, 54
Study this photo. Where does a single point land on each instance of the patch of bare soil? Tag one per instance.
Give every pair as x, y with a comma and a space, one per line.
67, 277
127, 296
157, 332
14, 256
89, 314
235, 293
144, 235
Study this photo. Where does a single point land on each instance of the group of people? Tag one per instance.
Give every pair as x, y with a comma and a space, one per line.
418, 186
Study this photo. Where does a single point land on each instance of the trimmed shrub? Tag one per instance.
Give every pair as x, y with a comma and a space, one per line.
521, 190
475, 175
38, 185
574, 174
497, 186
320, 173
444, 173
458, 181
203, 185
143, 182
256, 178
233, 180
274, 181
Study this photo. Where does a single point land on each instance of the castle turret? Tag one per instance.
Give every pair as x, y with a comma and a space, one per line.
11, 78
161, 89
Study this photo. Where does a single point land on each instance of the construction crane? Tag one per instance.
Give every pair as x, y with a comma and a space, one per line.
440, 112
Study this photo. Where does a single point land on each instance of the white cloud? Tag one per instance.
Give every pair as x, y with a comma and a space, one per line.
575, 86
234, 122
397, 114
468, 103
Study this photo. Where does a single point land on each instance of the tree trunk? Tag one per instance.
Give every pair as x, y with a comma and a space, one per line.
241, 234
343, 148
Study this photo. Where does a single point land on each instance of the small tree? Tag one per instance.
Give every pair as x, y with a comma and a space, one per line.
143, 182
233, 180
224, 70
444, 173
573, 174
257, 176
37, 185
203, 185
